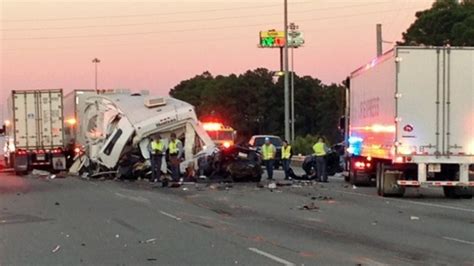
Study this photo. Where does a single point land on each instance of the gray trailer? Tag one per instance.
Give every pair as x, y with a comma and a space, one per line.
34, 134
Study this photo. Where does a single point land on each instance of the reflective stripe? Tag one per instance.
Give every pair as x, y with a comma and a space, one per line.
286, 152
268, 151
318, 149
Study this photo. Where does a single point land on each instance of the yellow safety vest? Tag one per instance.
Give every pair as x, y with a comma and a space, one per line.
157, 146
268, 152
174, 146
318, 149
286, 152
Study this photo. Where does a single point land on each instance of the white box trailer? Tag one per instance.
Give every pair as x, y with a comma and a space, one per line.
412, 120
74, 104
34, 130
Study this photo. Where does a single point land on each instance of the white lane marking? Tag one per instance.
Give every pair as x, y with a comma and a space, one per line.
133, 198
372, 262
272, 257
410, 201
458, 240
170, 215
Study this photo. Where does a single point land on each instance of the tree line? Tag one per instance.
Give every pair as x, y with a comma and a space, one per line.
252, 103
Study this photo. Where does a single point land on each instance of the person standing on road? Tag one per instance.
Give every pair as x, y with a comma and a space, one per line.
175, 149
286, 158
320, 150
156, 148
268, 152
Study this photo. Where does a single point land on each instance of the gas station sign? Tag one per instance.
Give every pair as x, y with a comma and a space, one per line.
272, 39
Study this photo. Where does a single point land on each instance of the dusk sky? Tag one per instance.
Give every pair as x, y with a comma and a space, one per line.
156, 44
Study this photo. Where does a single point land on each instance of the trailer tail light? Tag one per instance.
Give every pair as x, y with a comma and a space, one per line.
226, 144
361, 165
56, 151
21, 153
77, 150
40, 151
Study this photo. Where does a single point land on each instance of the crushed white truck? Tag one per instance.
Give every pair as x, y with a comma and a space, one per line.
412, 120
118, 123
34, 131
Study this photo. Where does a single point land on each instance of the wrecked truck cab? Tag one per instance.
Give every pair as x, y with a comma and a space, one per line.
115, 123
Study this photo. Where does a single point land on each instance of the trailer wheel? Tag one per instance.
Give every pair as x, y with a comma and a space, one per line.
458, 192
378, 179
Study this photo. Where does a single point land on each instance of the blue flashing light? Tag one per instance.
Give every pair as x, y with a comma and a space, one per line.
355, 145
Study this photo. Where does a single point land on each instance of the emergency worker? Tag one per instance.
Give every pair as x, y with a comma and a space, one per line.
286, 158
157, 149
268, 153
320, 150
175, 150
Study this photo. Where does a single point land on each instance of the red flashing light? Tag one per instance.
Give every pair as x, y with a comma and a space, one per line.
21, 152
212, 126
359, 165
77, 150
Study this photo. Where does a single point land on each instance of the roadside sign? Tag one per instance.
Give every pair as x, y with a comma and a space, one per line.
272, 39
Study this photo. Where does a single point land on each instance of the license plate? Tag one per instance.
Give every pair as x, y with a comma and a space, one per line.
40, 157
434, 168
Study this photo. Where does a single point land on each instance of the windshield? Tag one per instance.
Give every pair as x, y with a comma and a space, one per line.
274, 140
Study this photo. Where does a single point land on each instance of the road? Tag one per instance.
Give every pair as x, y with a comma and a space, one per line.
72, 221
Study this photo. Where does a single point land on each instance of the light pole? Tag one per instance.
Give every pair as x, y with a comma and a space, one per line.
286, 90
95, 61
293, 28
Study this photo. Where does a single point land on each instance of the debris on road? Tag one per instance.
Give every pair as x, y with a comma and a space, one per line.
322, 198
40, 173
56, 249
414, 218
310, 207
354, 187
151, 240
117, 236
56, 203
272, 186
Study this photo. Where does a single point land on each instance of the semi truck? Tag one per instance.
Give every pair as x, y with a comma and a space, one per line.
222, 135
34, 130
411, 121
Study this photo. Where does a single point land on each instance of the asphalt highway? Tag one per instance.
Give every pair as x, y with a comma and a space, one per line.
71, 221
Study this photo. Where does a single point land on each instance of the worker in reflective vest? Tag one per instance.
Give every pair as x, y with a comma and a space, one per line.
157, 149
268, 153
286, 158
320, 150
175, 149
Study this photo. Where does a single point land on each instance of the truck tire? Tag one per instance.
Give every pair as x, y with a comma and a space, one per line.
378, 178
458, 192
388, 184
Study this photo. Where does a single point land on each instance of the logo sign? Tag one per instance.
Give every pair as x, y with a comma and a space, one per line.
408, 128
272, 39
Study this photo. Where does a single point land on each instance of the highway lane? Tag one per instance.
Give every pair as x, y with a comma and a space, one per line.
122, 223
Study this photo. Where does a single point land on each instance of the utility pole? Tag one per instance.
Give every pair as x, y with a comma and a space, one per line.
379, 39
287, 81
96, 61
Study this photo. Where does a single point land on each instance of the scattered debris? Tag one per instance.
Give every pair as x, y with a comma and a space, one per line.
322, 198
272, 186
151, 259
52, 176
117, 236
354, 187
18, 194
56, 249
40, 172
56, 203
151, 240
83, 244
346, 186
284, 183
414, 218
374, 223
310, 207
260, 185
185, 189
400, 211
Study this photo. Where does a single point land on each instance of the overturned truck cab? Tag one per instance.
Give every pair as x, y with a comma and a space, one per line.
116, 125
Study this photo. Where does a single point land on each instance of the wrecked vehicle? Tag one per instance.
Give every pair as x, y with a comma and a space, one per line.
236, 162
116, 125
333, 164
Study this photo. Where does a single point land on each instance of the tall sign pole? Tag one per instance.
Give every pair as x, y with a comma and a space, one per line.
287, 81
96, 61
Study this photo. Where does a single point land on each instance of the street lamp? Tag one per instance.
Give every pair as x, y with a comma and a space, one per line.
95, 61
287, 81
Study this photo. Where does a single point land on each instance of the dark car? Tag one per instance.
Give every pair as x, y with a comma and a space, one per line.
257, 142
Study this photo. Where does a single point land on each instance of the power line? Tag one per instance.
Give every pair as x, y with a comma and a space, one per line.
240, 37
195, 29
141, 15
185, 21
193, 20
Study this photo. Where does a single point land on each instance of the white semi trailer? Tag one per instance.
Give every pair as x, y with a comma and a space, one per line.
34, 130
412, 120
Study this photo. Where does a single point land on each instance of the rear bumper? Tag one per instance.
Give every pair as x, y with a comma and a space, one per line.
411, 183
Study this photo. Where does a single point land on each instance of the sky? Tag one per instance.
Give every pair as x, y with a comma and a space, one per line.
154, 44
